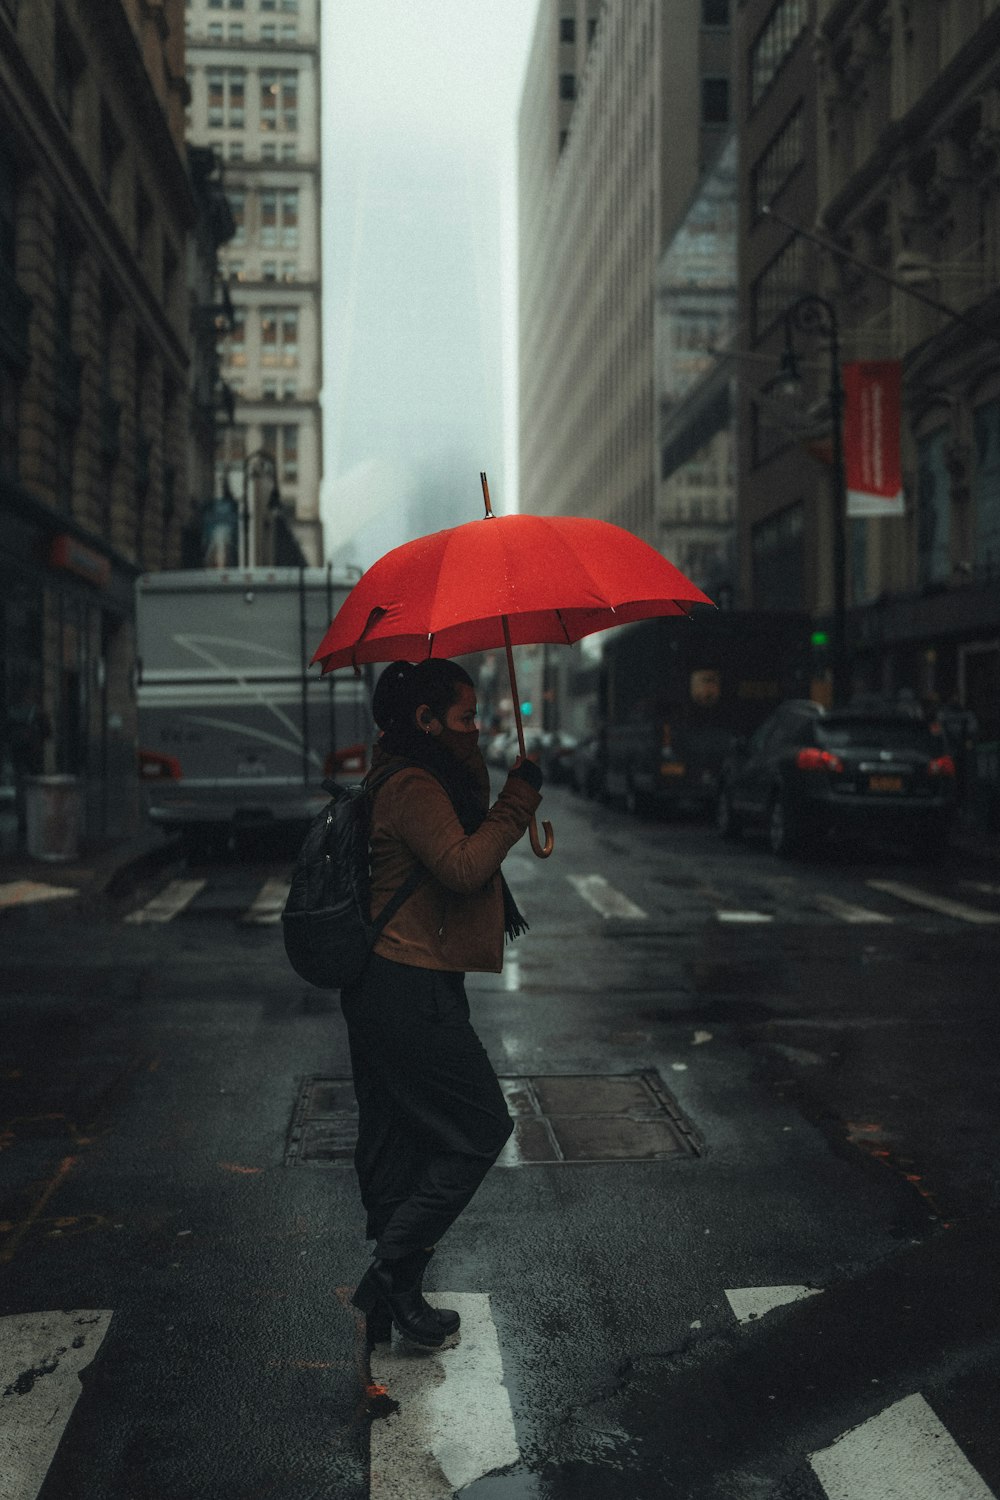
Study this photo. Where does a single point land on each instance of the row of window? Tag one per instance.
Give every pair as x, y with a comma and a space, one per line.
236, 32
714, 99
290, 7
279, 439
271, 216
278, 98
775, 40
279, 337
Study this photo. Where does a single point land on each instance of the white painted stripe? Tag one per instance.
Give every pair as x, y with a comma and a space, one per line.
23, 892
743, 916
941, 904
604, 898
751, 1302
268, 903
905, 1453
834, 907
172, 899
984, 887
41, 1356
454, 1422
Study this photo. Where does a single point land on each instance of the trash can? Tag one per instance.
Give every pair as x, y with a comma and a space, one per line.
52, 816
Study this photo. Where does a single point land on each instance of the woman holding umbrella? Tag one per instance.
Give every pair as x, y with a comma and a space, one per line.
432, 1116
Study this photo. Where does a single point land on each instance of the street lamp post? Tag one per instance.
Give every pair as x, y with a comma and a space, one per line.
255, 466
814, 315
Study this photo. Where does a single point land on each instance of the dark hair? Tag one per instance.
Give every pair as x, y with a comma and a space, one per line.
404, 685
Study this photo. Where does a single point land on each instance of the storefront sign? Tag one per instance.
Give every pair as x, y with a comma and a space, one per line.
871, 437
71, 556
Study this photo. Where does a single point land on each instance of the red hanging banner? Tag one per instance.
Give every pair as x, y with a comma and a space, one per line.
872, 408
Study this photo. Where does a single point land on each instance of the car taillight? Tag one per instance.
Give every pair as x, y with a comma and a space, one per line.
153, 766
943, 765
812, 759
351, 758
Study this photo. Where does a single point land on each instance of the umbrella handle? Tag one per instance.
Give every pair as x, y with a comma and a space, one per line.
542, 850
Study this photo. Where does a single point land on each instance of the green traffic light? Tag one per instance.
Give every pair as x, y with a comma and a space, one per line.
820, 638
526, 709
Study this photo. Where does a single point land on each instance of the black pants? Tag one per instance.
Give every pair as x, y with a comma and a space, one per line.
432, 1116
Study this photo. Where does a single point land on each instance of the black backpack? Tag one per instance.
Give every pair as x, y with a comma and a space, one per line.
327, 922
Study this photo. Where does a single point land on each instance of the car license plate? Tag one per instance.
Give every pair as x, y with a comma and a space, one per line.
672, 768
885, 783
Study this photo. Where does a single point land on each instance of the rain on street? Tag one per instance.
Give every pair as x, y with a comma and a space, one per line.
744, 1232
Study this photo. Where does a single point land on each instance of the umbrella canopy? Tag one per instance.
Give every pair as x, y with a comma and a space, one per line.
502, 580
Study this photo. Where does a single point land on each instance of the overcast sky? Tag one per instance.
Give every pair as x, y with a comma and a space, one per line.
420, 108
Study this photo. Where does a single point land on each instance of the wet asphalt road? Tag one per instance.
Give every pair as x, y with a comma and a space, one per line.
839, 1074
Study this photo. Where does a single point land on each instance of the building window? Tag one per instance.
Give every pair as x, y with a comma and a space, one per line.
777, 547
289, 391
567, 29
780, 282
279, 336
591, 28
933, 509
290, 32
237, 97
289, 454
779, 34
279, 99
986, 488
215, 80
780, 159
269, 270
235, 345
269, 151
269, 390
290, 219
215, 31
567, 85
238, 207
269, 218
235, 151
69, 63
267, 32
110, 151
715, 12
236, 31
715, 101
289, 151
289, 270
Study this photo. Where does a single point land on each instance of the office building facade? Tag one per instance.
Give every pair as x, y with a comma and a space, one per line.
622, 107
253, 74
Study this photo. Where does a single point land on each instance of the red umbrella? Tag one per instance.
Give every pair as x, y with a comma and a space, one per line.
503, 581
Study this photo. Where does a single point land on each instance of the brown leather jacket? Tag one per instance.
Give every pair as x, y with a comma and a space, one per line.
454, 919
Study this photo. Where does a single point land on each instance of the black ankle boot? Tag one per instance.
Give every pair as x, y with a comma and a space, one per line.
410, 1273
384, 1289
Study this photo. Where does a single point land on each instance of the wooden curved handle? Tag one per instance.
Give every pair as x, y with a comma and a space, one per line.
542, 850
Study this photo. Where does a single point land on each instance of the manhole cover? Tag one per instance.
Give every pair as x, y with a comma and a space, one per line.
557, 1118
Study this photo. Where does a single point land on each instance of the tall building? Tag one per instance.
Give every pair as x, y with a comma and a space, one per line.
909, 184
253, 72
96, 212
784, 487
623, 106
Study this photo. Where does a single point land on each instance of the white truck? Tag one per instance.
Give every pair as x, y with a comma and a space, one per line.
236, 730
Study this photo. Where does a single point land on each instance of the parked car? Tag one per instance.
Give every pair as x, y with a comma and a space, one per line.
503, 749
556, 756
807, 772
586, 767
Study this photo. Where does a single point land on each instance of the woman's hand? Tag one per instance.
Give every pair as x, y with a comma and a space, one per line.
529, 771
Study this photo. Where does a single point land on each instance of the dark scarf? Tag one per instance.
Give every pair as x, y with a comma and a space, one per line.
466, 798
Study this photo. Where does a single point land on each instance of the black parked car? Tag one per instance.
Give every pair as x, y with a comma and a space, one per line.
807, 772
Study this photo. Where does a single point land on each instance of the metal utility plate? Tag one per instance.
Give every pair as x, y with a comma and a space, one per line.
557, 1119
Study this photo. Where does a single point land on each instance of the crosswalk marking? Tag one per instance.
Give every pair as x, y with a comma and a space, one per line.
171, 900
604, 898
268, 904
942, 904
751, 1302
834, 907
744, 916
903, 1453
454, 1422
24, 892
41, 1356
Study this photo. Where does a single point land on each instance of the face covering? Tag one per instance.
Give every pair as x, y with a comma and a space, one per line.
461, 743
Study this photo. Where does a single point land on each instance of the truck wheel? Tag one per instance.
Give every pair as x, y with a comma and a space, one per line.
783, 834
727, 820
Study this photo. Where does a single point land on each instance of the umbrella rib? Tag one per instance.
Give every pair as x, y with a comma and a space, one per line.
562, 625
